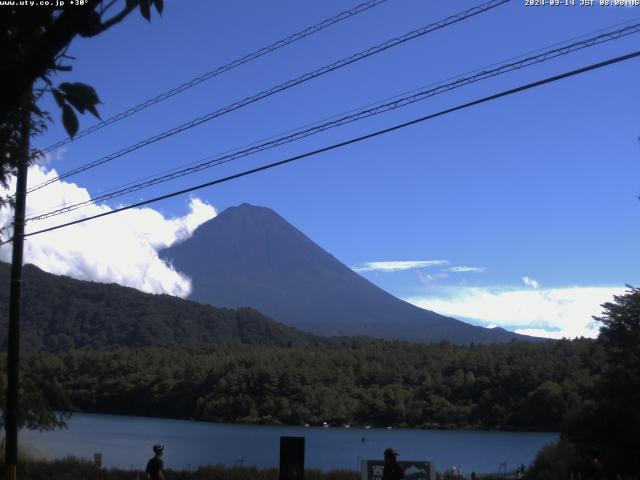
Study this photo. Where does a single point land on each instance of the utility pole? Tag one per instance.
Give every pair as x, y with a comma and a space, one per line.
13, 353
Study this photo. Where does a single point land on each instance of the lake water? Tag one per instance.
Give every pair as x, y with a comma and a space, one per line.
126, 442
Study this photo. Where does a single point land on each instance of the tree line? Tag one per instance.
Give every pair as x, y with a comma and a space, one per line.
514, 386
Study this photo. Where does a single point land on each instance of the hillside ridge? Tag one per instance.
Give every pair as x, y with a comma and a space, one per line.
61, 313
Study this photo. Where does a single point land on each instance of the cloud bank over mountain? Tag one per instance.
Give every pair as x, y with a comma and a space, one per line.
121, 248
544, 312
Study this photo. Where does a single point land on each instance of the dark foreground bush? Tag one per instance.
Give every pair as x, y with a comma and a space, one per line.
79, 469
557, 461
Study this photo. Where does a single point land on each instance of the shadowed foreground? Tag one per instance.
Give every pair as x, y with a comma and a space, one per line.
78, 469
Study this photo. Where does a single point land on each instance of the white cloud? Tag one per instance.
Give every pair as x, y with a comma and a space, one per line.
555, 313
428, 279
557, 334
50, 157
397, 266
121, 248
530, 282
464, 269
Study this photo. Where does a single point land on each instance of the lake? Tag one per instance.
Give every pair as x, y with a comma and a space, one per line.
126, 442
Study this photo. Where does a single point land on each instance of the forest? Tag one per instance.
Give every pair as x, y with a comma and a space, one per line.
513, 386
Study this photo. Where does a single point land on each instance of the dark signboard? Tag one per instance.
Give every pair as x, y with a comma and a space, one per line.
413, 470
291, 458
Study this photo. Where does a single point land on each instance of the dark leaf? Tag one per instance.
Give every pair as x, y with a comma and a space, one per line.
81, 96
35, 154
35, 109
69, 120
81, 90
145, 9
94, 112
63, 68
89, 23
59, 96
159, 6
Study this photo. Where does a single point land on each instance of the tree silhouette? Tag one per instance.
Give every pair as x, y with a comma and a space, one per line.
34, 40
34, 43
605, 429
619, 395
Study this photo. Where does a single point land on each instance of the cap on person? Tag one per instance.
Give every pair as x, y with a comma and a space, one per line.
390, 452
157, 448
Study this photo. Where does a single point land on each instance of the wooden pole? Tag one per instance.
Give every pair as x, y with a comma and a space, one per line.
15, 294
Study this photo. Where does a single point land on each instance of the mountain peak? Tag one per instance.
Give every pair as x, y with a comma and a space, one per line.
247, 210
249, 256
247, 207
237, 225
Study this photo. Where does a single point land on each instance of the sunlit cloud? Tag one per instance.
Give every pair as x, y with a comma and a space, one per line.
530, 282
121, 248
554, 312
557, 334
397, 266
464, 269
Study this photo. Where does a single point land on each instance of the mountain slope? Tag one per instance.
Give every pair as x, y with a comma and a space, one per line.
250, 256
60, 313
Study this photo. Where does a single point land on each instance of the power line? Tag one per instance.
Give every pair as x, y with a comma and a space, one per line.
335, 146
414, 97
222, 69
387, 99
284, 86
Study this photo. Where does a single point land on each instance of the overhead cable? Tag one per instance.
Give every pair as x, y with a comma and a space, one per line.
351, 141
222, 69
281, 87
396, 103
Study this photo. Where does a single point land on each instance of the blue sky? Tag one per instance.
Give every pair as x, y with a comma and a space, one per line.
542, 185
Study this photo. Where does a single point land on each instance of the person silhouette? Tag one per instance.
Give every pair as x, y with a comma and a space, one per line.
392, 469
155, 465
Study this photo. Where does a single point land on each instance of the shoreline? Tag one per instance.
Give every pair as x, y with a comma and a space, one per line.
430, 427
